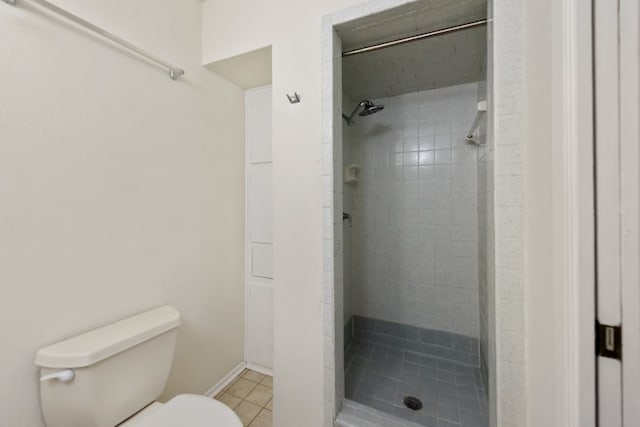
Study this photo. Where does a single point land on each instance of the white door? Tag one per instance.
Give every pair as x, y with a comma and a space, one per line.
259, 232
616, 56
630, 214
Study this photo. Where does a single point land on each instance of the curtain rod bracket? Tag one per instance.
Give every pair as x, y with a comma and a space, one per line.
176, 73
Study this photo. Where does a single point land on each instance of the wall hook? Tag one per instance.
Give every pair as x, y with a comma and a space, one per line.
295, 98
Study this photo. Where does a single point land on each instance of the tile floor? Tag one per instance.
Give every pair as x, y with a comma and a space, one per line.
380, 377
250, 396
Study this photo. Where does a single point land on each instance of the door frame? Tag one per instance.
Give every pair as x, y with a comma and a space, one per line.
574, 213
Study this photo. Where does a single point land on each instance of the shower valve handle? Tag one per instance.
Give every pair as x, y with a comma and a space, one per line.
346, 216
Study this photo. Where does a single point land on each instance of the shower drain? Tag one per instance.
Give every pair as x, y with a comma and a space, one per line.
412, 403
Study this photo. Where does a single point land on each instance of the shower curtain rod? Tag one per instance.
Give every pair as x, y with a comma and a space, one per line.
417, 37
174, 72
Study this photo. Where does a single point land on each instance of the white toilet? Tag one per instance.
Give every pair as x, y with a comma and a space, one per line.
113, 375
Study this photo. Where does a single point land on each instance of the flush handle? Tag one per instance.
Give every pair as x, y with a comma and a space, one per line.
63, 376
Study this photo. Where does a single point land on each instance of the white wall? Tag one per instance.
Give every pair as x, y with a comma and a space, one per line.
415, 217
293, 28
121, 190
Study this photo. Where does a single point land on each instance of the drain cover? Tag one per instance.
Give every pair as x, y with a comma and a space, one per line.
412, 403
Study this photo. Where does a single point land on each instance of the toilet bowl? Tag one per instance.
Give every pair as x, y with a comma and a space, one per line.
186, 410
108, 376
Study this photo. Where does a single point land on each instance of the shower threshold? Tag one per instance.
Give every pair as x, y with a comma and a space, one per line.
354, 414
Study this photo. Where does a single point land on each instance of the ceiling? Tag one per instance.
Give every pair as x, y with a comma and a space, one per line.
440, 61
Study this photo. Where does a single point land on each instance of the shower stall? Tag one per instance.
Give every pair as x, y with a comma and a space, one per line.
415, 215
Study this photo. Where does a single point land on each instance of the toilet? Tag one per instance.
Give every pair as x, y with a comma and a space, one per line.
113, 375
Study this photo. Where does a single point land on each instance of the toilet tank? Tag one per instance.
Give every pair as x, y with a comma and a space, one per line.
119, 369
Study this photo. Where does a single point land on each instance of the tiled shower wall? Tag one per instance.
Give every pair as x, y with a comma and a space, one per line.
415, 225
508, 77
348, 136
485, 239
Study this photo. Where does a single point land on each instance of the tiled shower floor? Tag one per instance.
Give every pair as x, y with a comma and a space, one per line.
452, 394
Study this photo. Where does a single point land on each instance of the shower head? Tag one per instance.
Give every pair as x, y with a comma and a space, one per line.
368, 108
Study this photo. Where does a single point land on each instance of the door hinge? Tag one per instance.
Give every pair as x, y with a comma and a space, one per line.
609, 341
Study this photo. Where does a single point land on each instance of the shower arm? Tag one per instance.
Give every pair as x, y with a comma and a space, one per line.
349, 119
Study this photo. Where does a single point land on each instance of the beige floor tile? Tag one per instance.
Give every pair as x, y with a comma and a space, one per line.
267, 380
264, 419
228, 386
269, 405
242, 388
253, 375
247, 411
260, 395
228, 399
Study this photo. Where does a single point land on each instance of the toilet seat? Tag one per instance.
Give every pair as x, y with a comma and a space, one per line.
190, 410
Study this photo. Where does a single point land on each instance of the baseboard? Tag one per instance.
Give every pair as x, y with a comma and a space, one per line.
259, 368
213, 391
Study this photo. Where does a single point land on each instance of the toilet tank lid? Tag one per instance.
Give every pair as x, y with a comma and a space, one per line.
99, 344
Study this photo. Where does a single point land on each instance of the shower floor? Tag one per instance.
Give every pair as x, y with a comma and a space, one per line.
452, 393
